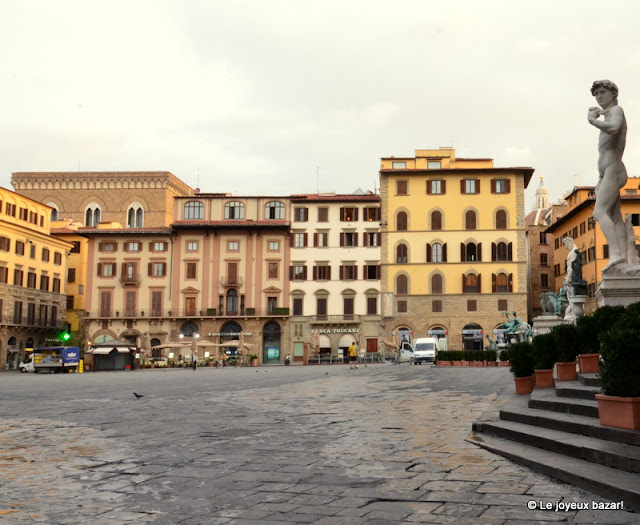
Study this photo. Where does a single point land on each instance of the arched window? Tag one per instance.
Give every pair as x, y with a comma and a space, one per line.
436, 252
274, 210
501, 251
436, 220
402, 285
92, 215
471, 283
55, 213
502, 283
232, 302
401, 253
194, 210
234, 210
501, 220
470, 220
436, 283
401, 221
135, 216
471, 252
189, 328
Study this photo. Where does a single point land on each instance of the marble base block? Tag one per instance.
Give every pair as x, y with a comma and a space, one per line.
618, 291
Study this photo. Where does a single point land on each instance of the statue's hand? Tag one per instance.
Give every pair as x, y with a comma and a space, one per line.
593, 113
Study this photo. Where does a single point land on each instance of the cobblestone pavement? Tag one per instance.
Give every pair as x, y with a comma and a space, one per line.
323, 444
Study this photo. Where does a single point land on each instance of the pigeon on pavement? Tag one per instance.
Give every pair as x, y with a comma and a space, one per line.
138, 396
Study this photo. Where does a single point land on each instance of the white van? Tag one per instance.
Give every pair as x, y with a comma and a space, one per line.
425, 350
406, 353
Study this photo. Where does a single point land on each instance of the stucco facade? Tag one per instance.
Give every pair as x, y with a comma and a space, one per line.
335, 272
33, 266
453, 246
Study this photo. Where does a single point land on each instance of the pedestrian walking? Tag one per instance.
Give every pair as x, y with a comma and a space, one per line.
353, 356
194, 361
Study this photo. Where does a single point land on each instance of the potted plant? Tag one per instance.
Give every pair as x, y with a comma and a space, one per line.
590, 328
492, 358
444, 358
504, 358
545, 352
568, 345
456, 357
619, 405
254, 359
521, 361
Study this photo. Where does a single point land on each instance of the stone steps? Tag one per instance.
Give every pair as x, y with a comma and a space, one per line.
557, 431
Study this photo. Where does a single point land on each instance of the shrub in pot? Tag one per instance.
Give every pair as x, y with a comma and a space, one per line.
545, 354
590, 328
619, 405
504, 357
492, 357
521, 360
569, 346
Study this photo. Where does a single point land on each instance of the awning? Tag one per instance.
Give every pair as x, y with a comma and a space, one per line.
106, 350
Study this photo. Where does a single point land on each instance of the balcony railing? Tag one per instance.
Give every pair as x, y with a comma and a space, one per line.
132, 280
208, 312
332, 319
227, 281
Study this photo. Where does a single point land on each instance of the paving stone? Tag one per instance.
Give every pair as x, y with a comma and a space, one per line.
242, 452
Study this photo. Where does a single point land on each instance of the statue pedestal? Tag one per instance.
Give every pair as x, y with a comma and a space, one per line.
618, 290
576, 309
544, 323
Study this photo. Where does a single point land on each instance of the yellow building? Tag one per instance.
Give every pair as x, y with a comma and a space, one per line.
577, 222
453, 247
33, 267
76, 278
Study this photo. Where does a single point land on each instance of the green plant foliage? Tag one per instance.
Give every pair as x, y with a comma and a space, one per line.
591, 327
545, 351
491, 355
521, 359
504, 355
567, 342
620, 355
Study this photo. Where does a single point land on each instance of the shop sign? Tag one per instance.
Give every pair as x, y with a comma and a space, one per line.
438, 332
473, 333
339, 330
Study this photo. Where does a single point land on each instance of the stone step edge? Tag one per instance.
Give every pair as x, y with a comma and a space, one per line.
566, 406
570, 423
620, 456
599, 479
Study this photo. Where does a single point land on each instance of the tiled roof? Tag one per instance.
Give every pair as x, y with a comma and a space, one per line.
314, 197
528, 171
123, 231
232, 224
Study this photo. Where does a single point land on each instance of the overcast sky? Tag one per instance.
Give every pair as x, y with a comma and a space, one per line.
294, 96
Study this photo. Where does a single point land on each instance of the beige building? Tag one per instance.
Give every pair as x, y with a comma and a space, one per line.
33, 267
539, 246
335, 272
453, 246
134, 199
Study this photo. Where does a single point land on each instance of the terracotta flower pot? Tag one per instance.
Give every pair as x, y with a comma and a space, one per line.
620, 412
567, 371
544, 378
492, 363
254, 362
504, 363
443, 363
589, 363
524, 385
